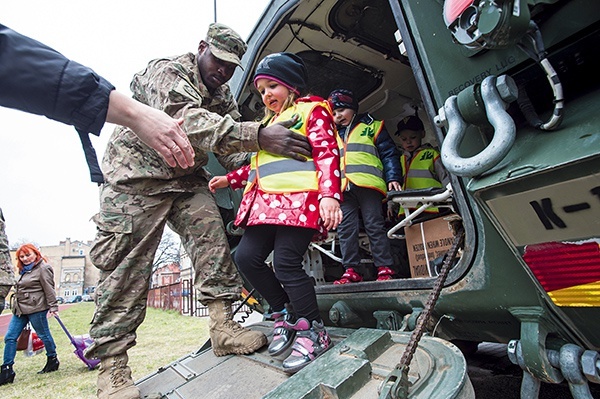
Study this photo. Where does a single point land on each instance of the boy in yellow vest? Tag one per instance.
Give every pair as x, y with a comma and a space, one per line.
421, 168
421, 163
370, 167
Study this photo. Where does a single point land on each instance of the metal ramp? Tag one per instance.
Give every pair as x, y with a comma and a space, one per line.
353, 368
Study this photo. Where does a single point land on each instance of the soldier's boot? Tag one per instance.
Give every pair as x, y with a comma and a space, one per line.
228, 336
114, 379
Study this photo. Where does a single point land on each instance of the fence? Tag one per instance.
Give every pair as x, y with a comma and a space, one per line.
182, 298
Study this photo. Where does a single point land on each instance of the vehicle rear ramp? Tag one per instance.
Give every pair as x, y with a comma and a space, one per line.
354, 368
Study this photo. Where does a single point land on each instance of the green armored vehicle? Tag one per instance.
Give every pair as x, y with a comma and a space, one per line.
510, 93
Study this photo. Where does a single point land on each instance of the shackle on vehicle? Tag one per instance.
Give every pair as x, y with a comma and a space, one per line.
464, 110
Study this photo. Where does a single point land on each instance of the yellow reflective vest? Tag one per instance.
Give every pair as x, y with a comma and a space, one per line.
360, 162
278, 174
419, 172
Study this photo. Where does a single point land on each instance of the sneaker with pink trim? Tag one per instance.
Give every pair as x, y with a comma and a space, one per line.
310, 343
283, 331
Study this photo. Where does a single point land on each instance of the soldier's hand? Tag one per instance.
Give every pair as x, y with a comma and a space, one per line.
278, 139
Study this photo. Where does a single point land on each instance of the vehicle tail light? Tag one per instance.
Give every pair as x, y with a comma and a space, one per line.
568, 272
453, 9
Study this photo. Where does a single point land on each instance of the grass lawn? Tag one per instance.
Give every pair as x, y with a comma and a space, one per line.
163, 337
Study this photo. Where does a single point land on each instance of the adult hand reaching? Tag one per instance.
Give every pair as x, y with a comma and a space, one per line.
278, 139
154, 127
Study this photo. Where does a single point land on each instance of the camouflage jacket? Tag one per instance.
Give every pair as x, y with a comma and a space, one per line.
174, 86
7, 273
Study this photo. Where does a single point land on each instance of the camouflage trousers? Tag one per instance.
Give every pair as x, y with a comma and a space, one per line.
4, 290
7, 272
129, 230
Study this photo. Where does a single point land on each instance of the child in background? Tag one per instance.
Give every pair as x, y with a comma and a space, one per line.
285, 203
421, 163
371, 167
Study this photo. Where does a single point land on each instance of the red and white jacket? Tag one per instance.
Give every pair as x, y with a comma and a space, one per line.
300, 209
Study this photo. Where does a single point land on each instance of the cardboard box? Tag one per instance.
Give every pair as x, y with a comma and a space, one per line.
434, 235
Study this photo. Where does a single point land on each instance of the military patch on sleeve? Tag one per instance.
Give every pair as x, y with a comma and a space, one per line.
186, 90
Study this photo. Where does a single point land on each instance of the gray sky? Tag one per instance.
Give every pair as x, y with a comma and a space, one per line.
45, 191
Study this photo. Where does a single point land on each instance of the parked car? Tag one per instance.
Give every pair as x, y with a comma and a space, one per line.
87, 298
60, 299
75, 299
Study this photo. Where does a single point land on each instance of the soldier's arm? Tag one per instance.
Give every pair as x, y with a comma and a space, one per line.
175, 94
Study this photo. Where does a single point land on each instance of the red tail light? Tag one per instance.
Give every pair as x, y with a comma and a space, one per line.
568, 272
453, 9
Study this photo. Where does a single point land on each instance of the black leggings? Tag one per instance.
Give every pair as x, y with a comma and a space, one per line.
287, 282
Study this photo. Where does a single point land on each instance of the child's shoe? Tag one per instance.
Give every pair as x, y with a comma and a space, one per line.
283, 331
384, 273
349, 276
310, 343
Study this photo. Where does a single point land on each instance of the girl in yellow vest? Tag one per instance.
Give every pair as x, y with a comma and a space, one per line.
286, 202
371, 167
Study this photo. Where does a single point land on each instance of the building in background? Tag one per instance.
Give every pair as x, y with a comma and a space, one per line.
166, 275
74, 273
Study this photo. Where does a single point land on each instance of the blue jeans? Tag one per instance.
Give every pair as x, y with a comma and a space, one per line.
17, 324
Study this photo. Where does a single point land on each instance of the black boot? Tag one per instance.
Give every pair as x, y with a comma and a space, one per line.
52, 364
7, 375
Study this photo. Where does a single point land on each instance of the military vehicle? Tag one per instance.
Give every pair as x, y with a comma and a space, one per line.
510, 91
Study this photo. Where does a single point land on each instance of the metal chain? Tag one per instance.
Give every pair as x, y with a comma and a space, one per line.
401, 391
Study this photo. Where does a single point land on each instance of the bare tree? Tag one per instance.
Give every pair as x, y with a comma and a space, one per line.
21, 241
168, 250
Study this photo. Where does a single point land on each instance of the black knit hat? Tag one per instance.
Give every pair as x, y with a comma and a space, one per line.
285, 68
411, 122
342, 98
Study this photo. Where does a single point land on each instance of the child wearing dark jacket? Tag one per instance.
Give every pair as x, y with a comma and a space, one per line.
371, 168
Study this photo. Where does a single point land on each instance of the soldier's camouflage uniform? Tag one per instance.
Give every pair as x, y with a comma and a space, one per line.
7, 273
142, 194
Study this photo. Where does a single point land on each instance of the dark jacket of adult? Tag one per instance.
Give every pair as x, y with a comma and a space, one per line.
37, 79
34, 291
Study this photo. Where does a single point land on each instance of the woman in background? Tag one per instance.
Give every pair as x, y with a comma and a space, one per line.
35, 301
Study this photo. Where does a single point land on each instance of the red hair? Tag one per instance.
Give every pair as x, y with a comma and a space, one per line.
28, 248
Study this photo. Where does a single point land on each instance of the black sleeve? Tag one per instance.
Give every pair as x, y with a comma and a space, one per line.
37, 79
389, 155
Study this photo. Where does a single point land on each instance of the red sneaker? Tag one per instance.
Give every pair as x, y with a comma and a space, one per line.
349, 276
384, 273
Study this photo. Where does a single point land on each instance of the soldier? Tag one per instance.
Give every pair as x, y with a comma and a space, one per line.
142, 194
7, 273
